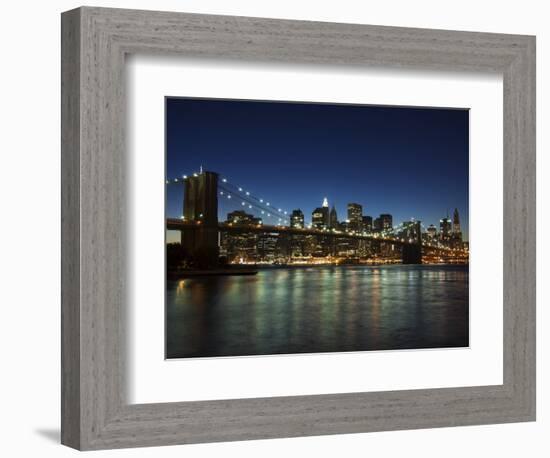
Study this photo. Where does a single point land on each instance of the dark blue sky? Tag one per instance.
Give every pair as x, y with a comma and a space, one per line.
410, 162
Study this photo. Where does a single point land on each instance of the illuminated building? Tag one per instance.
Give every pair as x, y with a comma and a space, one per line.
367, 223
297, 219
409, 230
445, 230
240, 217
355, 217
298, 245
267, 246
432, 232
386, 221
456, 236
456, 223
320, 216
240, 247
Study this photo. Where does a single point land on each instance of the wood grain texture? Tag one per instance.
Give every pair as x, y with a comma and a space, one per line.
70, 229
96, 414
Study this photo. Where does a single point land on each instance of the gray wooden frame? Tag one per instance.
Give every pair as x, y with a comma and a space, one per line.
95, 413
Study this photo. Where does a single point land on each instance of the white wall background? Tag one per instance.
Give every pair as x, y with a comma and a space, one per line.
29, 227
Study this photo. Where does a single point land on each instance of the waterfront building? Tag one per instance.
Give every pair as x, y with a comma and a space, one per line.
367, 223
377, 225
297, 219
320, 217
243, 246
355, 217
409, 230
456, 223
268, 244
445, 230
386, 221
298, 246
240, 217
456, 236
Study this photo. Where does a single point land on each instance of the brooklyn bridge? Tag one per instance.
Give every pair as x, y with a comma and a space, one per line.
201, 231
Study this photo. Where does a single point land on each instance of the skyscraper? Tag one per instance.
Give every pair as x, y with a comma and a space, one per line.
297, 219
377, 225
456, 238
386, 221
333, 218
355, 217
432, 231
240, 247
367, 223
297, 242
456, 223
240, 217
320, 216
445, 230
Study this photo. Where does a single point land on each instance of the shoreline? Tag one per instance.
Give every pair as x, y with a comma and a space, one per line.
253, 269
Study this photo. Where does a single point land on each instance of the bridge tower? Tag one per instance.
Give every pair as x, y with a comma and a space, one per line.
412, 253
200, 205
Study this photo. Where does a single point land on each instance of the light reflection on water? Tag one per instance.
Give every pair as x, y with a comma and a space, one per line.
322, 309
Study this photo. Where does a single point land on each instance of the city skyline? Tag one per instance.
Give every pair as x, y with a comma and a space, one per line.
203, 132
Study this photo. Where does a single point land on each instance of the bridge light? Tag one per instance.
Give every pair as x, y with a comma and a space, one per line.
200, 215
185, 177
250, 206
221, 193
240, 189
195, 175
224, 180
279, 209
263, 212
167, 181
285, 212
267, 204
229, 197
175, 180
243, 203
261, 200
247, 193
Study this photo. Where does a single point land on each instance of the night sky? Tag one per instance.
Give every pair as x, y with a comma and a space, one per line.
409, 162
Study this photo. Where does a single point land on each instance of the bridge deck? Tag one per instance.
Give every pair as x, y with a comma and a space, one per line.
179, 225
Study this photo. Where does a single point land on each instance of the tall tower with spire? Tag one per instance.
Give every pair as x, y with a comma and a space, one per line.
456, 223
456, 238
333, 218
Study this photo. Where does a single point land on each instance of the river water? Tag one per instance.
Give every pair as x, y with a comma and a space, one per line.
319, 309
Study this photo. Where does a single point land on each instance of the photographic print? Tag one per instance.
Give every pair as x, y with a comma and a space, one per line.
300, 227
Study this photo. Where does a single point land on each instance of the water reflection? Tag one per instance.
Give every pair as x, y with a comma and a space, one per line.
318, 310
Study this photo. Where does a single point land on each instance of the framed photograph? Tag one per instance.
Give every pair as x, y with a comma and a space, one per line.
279, 228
